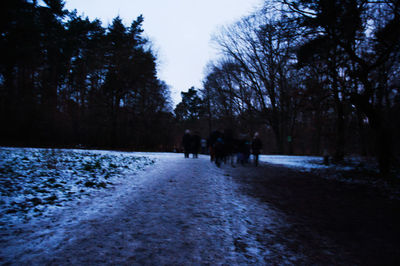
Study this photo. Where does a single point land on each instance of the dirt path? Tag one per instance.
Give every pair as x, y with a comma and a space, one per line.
361, 224
189, 212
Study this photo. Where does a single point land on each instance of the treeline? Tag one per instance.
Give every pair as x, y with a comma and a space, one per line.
66, 80
308, 75
311, 76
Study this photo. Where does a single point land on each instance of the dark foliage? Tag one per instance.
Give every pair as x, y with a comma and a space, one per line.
313, 77
66, 80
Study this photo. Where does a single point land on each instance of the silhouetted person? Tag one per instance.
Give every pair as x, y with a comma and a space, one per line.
186, 143
244, 147
229, 146
326, 156
204, 146
219, 150
211, 143
256, 146
195, 144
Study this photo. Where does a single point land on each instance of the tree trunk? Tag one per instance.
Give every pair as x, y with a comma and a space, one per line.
384, 149
383, 142
340, 135
278, 137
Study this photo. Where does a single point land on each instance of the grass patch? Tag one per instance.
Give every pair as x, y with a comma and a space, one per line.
102, 185
39, 178
51, 199
36, 201
90, 184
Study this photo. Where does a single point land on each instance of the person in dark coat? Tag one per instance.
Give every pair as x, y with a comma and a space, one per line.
186, 143
219, 150
256, 146
229, 146
211, 143
195, 144
244, 147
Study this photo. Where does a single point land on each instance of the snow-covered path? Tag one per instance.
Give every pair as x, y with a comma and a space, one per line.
182, 211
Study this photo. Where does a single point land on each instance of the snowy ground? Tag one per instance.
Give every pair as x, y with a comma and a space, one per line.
353, 170
176, 211
107, 207
309, 163
36, 181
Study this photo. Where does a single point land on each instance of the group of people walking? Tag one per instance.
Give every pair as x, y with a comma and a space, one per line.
223, 147
191, 143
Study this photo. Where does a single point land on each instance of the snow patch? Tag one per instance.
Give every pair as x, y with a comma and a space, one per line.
36, 181
310, 163
305, 163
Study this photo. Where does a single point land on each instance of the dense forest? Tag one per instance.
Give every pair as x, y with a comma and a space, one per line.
310, 76
66, 80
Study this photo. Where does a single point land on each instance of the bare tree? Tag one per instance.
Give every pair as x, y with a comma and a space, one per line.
261, 48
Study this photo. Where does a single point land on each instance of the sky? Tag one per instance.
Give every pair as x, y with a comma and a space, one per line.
180, 31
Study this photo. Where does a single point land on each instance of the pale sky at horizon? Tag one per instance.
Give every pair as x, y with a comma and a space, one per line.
180, 31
